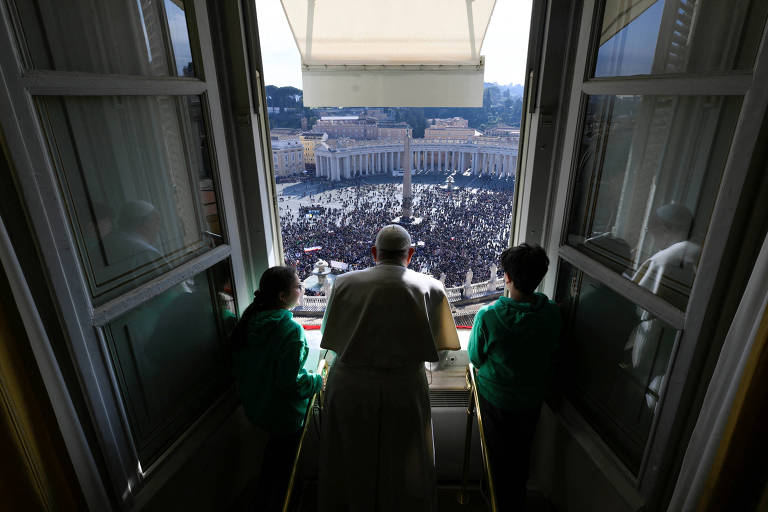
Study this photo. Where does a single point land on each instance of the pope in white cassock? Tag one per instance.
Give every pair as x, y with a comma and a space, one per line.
383, 323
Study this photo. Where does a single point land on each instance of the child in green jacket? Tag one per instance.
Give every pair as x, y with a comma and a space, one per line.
511, 345
269, 352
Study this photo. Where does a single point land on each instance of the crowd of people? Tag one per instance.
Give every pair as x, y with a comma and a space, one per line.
460, 229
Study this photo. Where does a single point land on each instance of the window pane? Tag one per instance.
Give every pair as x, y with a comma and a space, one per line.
137, 177
135, 37
643, 37
170, 359
617, 357
648, 173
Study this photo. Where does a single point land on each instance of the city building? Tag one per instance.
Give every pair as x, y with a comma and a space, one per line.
344, 159
455, 128
309, 140
449, 132
503, 130
390, 130
450, 122
287, 156
285, 133
354, 127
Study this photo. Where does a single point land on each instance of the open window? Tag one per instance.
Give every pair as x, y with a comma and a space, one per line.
128, 190
643, 196
351, 183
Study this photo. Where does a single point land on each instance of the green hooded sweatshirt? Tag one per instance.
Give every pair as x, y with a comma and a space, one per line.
274, 386
511, 345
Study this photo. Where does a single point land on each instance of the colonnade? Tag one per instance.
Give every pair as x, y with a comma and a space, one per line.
348, 162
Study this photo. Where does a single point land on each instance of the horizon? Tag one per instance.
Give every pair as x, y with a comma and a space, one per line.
485, 83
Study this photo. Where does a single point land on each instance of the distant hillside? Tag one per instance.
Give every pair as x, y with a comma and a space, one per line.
290, 97
515, 90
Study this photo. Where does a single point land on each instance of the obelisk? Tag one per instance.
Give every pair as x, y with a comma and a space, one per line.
407, 193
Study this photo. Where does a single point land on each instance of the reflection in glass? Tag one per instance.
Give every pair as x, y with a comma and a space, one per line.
177, 28
130, 37
642, 37
617, 361
136, 174
648, 172
169, 357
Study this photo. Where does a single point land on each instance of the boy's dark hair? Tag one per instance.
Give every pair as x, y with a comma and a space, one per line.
525, 265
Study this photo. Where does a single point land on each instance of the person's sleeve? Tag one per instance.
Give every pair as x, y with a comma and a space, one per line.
476, 348
290, 375
326, 327
327, 313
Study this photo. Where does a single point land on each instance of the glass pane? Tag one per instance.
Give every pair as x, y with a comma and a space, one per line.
617, 357
648, 173
137, 177
644, 37
170, 359
130, 37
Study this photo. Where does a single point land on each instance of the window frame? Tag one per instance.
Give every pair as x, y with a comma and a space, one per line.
80, 320
746, 84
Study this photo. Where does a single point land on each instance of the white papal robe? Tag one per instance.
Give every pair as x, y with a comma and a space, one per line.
376, 452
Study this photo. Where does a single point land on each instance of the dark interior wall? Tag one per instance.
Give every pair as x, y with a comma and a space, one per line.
748, 447
36, 472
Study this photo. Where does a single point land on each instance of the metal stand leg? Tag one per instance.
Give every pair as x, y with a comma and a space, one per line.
462, 497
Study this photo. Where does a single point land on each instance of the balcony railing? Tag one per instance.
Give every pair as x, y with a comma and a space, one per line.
468, 291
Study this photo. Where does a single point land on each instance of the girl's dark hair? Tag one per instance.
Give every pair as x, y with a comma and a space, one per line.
273, 281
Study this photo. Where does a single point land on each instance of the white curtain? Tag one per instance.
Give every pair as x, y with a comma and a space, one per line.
723, 388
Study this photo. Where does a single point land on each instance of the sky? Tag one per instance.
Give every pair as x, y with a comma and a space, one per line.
505, 46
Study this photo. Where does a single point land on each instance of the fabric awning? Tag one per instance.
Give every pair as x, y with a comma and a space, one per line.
376, 52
